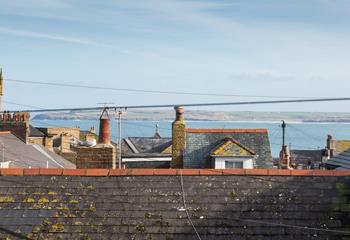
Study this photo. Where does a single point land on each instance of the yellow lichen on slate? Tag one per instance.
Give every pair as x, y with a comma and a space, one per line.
43, 200
6, 199
36, 229
58, 227
29, 200
73, 201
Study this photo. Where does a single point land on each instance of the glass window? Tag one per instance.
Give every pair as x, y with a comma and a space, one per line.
229, 164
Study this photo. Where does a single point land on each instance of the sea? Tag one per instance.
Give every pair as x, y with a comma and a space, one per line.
298, 135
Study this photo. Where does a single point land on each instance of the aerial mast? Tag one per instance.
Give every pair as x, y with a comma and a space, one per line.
1, 88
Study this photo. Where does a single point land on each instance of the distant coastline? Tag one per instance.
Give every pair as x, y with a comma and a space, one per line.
199, 115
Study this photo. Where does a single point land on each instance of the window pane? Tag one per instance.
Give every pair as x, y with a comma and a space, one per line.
229, 164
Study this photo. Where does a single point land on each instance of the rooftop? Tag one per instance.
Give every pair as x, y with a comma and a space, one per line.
158, 203
18, 154
218, 130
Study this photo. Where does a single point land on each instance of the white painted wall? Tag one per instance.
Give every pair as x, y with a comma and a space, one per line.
220, 162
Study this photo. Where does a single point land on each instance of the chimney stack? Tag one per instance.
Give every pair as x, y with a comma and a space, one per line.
178, 138
285, 162
17, 123
104, 136
102, 155
330, 146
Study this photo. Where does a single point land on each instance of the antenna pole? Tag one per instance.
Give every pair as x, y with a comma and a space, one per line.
284, 125
120, 138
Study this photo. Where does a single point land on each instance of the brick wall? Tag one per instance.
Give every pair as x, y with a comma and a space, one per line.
100, 156
18, 128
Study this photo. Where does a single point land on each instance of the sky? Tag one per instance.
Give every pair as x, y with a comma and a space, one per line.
291, 48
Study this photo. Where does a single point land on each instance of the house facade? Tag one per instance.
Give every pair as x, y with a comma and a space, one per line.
219, 148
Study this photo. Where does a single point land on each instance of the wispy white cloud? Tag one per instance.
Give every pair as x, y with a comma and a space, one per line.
194, 43
30, 34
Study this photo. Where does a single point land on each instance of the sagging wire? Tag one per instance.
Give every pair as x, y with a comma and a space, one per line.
185, 207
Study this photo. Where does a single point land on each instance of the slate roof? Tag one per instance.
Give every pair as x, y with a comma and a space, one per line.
151, 207
340, 146
200, 142
231, 147
342, 160
24, 155
34, 132
145, 145
306, 158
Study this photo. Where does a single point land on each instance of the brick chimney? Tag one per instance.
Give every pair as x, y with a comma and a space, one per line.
285, 158
330, 146
104, 136
179, 139
104, 154
17, 123
285, 162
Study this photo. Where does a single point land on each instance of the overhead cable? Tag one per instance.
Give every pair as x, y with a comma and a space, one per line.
145, 91
193, 104
185, 207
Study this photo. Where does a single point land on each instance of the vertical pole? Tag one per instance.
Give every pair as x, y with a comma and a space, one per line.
283, 133
3, 152
1, 88
120, 139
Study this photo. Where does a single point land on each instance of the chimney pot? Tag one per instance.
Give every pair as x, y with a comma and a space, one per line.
104, 134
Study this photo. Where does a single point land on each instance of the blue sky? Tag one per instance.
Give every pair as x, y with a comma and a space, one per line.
282, 48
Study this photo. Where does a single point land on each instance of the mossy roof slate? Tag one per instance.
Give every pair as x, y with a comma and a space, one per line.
151, 207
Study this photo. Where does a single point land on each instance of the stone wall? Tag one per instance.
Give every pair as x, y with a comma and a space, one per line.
56, 132
100, 156
106, 204
65, 141
36, 140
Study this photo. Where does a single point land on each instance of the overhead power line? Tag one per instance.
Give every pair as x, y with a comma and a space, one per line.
21, 104
192, 105
146, 91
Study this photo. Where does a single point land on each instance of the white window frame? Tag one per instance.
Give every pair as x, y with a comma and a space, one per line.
220, 162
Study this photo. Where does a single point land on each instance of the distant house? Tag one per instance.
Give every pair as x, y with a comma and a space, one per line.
339, 161
219, 148
307, 159
146, 152
15, 153
227, 148
338, 153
